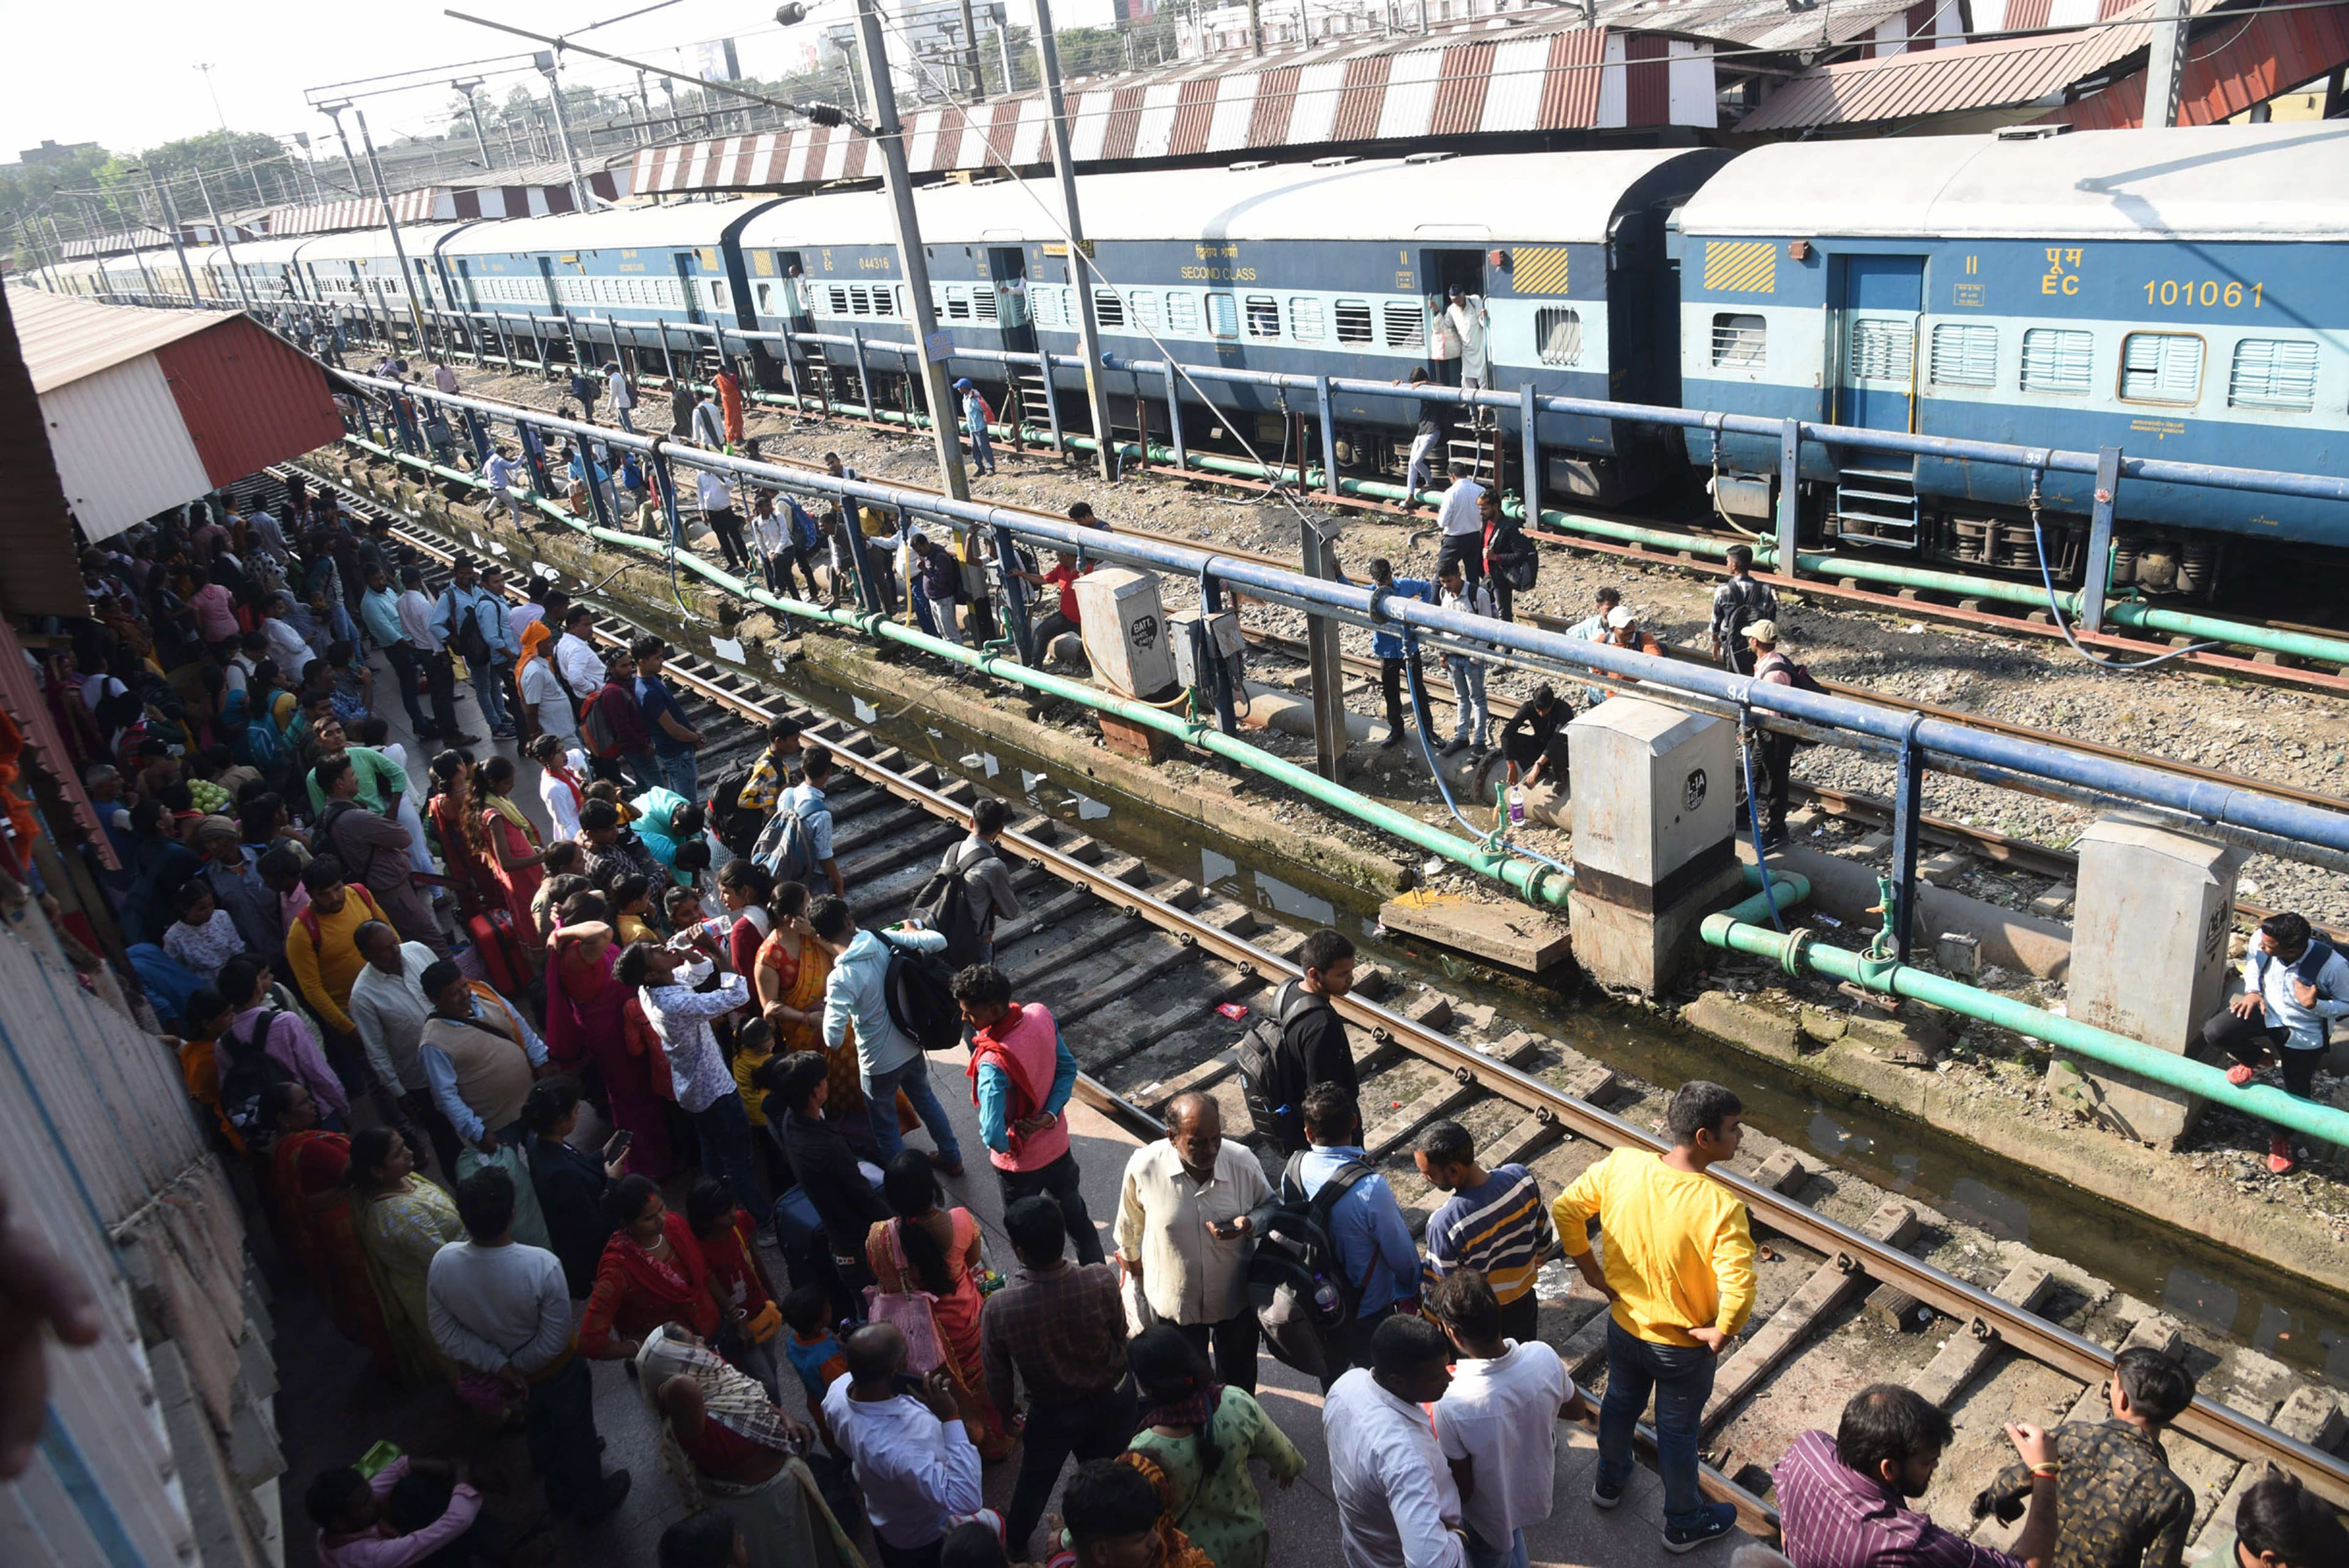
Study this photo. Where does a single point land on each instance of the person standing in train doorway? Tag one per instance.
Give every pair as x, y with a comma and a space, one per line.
1443, 339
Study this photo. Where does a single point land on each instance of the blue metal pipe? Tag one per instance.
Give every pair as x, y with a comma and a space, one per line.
2072, 771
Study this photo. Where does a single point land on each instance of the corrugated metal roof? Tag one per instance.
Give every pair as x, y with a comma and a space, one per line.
247, 399
1494, 76
1996, 74
2286, 180
1553, 197
44, 576
326, 217
2276, 52
65, 338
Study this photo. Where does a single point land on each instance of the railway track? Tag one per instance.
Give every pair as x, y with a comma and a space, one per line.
1978, 615
1137, 965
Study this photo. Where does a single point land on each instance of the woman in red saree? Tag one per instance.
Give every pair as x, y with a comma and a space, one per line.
457, 823
587, 1021
309, 1180
929, 1248
511, 839
652, 1273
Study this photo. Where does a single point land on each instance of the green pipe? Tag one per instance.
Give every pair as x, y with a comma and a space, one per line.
2300, 644
1799, 951
1537, 883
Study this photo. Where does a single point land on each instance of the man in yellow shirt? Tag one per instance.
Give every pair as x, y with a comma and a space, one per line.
1679, 1276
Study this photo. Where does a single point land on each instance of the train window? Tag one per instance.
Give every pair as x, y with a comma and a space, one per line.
1109, 307
766, 298
2057, 359
1883, 348
1559, 333
1050, 311
2161, 368
1223, 316
1353, 321
1406, 323
982, 302
1739, 341
2273, 373
1305, 319
957, 305
1263, 316
837, 301
1142, 305
1182, 310
722, 294
1964, 355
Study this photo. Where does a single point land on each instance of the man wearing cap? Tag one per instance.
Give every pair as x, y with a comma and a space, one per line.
976, 415
1773, 752
230, 870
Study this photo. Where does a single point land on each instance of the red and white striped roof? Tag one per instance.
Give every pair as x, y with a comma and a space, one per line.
329, 217
1494, 78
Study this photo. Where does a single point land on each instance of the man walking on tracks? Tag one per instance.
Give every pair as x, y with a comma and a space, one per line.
1736, 604
1300, 1041
1679, 1276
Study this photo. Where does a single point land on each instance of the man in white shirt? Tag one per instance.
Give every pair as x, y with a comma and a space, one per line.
624, 395
502, 473
439, 675
286, 645
575, 653
502, 1309
1472, 720
1498, 1424
546, 706
1398, 1506
1461, 518
1182, 1227
717, 499
913, 1459
444, 378
663, 980
389, 1007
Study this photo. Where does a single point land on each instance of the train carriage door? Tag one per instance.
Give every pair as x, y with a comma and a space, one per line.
1007, 272
1882, 299
1440, 272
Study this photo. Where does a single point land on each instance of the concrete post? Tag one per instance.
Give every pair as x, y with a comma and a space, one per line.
1654, 816
2149, 958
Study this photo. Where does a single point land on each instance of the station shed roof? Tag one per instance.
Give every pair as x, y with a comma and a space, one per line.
149, 408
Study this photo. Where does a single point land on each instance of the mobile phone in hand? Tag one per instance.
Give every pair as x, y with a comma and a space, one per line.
617, 1144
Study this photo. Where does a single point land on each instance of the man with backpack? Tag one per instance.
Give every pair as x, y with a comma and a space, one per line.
269, 1042
1021, 1075
1186, 1232
375, 849
1773, 750
1300, 1041
972, 888
2295, 986
321, 946
1377, 1261
888, 1058
771, 775
1738, 604
619, 746
471, 619
811, 860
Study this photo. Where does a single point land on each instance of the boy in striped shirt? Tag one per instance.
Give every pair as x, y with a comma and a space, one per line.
1494, 1222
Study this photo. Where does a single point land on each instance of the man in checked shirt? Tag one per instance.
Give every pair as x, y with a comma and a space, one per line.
1062, 1327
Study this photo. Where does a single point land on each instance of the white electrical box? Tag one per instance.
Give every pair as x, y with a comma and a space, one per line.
1125, 631
1223, 629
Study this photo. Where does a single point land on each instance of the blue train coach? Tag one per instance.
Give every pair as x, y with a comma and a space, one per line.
2172, 293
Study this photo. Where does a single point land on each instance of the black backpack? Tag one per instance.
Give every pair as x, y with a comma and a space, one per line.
247, 1070
1301, 1294
466, 636
919, 987
1258, 1056
737, 826
1512, 559
945, 902
784, 847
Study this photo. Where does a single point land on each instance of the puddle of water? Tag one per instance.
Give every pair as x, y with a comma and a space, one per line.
1296, 902
2001, 1214
1028, 781
1906, 1164
1088, 809
2203, 1299
1216, 870
865, 712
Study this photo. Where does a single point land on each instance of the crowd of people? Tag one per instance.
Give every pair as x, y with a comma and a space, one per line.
397, 1018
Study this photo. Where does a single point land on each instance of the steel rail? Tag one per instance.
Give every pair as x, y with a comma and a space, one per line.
1980, 1312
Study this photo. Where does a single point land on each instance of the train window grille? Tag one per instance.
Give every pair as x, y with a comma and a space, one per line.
1182, 311
2057, 359
2277, 373
1740, 341
1559, 330
1883, 348
722, 294
766, 298
2161, 368
957, 304
1406, 323
1354, 321
1051, 310
1305, 319
1964, 355
1263, 316
1223, 316
1145, 306
1109, 307
982, 302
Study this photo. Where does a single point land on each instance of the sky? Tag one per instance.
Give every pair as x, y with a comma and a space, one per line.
129, 79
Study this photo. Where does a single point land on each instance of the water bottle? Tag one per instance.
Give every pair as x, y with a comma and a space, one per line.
1516, 806
1327, 1304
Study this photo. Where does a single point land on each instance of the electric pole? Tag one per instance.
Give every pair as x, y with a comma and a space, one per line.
171, 225
1056, 118
409, 282
545, 61
473, 108
220, 234
971, 55
2164, 76
889, 136
350, 164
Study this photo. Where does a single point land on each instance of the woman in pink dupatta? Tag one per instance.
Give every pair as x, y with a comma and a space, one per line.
584, 1003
